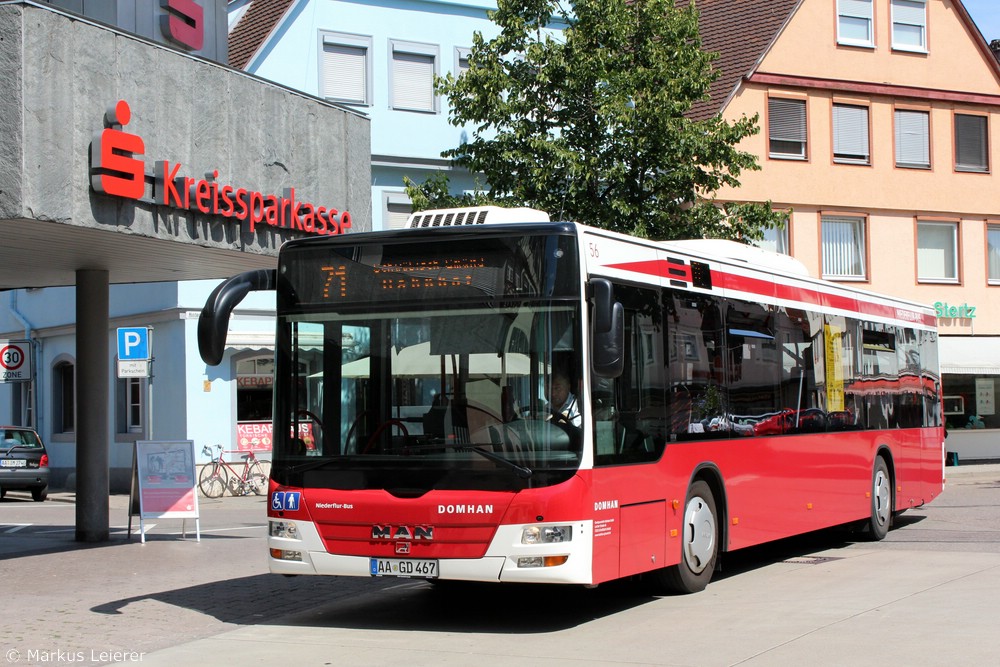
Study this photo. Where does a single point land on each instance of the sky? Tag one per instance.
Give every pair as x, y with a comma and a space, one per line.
986, 14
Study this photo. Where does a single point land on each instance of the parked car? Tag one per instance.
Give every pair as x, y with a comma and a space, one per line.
24, 463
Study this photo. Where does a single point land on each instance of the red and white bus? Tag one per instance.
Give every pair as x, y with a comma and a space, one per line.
722, 398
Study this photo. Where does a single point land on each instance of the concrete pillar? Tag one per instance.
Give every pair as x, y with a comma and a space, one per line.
92, 398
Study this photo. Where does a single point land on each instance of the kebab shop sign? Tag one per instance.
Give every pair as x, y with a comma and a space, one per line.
118, 169
259, 436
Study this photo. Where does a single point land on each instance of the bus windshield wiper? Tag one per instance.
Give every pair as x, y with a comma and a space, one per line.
312, 465
519, 470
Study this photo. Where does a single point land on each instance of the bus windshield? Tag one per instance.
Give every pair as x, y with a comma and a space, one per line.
427, 366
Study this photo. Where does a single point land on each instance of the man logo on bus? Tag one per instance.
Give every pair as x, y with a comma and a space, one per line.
383, 532
114, 168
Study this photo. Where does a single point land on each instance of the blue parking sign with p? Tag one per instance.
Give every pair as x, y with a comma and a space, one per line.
133, 343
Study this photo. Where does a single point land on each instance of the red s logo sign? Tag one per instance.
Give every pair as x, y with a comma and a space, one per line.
113, 169
184, 23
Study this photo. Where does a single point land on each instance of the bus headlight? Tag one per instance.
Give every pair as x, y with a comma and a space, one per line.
286, 529
546, 534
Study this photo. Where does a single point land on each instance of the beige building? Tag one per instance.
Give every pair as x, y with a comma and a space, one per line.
880, 125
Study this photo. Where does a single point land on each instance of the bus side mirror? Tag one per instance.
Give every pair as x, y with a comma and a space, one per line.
213, 323
608, 351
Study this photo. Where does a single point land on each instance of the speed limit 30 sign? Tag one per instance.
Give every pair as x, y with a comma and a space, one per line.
15, 360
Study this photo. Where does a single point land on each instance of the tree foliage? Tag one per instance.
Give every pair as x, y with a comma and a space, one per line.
589, 122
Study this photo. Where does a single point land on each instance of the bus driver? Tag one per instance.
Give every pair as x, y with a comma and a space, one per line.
562, 402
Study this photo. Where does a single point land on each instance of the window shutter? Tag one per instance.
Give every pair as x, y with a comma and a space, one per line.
912, 147
910, 12
970, 143
850, 132
412, 81
397, 215
856, 8
345, 73
787, 126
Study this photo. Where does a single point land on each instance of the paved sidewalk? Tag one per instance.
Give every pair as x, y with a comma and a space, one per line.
90, 601
106, 602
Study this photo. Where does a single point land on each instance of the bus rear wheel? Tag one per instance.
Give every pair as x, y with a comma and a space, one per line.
700, 545
881, 506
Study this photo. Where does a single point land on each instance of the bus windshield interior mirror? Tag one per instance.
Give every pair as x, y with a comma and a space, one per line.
608, 353
213, 323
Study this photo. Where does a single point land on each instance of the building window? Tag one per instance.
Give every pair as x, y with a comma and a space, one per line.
63, 397
396, 211
21, 404
850, 134
937, 252
843, 247
787, 128
775, 239
411, 77
854, 22
130, 405
909, 25
254, 388
971, 143
993, 253
913, 148
345, 68
461, 60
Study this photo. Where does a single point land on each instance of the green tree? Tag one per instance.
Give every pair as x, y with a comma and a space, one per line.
589, 123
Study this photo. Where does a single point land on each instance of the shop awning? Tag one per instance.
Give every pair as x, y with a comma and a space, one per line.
969, 355
244, 341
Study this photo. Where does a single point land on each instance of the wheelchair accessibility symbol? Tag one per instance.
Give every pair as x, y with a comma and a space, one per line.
285, 500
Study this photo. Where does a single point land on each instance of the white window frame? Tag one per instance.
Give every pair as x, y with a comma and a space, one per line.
905, 15
851, 143
462, 54
782, 127
844, 248
913, 138
361, 43
939, 255
132, 402
993, 254
405, 55
855, 10
974, 139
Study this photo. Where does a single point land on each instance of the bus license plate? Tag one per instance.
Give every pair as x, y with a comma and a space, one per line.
404, 567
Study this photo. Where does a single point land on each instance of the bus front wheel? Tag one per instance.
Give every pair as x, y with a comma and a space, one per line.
700, 545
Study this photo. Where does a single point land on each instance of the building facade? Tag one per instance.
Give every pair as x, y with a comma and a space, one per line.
134, 174
880, 125
381, 59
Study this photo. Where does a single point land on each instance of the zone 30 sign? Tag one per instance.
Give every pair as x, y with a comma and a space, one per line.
15, 361
117, 169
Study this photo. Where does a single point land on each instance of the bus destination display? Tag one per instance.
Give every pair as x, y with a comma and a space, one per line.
427, 274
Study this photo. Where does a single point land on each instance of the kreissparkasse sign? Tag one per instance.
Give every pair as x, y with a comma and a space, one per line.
118, 169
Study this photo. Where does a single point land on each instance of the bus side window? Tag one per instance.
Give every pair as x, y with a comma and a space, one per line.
696, 396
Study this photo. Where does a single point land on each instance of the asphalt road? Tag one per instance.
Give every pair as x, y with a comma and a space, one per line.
927, 595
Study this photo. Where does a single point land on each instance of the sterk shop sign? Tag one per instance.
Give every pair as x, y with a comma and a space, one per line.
118, 170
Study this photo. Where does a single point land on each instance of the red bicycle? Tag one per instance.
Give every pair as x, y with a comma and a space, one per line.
219, 475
